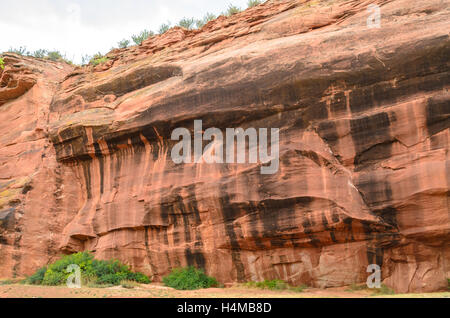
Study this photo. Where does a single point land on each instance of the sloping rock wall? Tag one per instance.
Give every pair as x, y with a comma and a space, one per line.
364, 170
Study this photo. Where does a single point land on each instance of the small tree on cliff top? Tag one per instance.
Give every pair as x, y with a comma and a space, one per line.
187, 23
143, 35
253, 3
201, 22
123, 43
164, 27
232, 10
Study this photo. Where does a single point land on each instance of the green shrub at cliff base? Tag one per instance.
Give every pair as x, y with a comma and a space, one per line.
356, 287
37, 277
97, 272
275, 284
189, 278
383, 290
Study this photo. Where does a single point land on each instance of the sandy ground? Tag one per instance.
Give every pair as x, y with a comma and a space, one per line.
158, 291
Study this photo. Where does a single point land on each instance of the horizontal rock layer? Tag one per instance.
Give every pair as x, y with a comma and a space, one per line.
364, 169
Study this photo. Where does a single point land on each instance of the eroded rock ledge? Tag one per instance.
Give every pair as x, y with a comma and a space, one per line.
364, 149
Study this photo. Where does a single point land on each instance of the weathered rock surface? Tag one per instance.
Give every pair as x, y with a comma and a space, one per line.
364, 173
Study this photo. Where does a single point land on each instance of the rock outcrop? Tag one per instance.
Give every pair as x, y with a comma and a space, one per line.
364, 168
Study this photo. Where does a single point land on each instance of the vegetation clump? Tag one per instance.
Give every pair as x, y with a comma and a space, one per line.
22, 50
2, 63
129, 284
143, 35
356, 287
38, 277
232, 10
206, 18
253, 3
54, 56
275, 284
40, 54
123, 44
383, 290
164, 28
187, 23
98, 59
189, 278
137, 39
93, 272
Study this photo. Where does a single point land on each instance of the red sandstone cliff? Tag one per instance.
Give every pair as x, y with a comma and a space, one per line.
364, 149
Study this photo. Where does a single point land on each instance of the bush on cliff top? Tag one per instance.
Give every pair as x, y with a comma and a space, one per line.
231, 10
98, 59
98, 272
187, 23
206, 18
253, 3
123, 44
22, 50
189, 278
55, 56
164, 27
142, 36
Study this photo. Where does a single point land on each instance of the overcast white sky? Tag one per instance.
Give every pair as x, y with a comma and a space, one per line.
79, 27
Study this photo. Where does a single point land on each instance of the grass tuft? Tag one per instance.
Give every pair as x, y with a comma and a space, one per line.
356, 287
383, 290
275, 284
129, 284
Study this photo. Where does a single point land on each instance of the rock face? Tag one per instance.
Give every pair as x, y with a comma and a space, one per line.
364, 163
